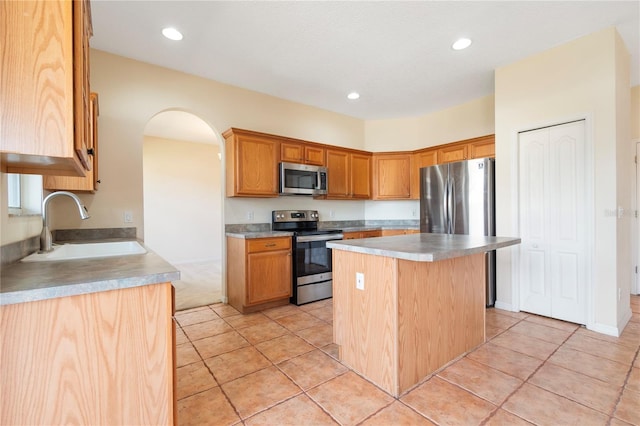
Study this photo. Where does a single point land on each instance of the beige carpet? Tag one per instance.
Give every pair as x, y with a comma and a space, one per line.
200, 284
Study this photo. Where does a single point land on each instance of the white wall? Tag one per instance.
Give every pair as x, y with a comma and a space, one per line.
182, 200
576, 79
132, 92
469, 120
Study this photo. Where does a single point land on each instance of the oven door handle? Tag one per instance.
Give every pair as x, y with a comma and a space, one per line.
314, 238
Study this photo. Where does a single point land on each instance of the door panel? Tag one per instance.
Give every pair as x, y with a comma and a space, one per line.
535, 287
473, 192
432, 209
553, 270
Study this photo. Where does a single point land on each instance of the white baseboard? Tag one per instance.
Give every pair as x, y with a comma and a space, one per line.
604, 329
224, 299
504, 306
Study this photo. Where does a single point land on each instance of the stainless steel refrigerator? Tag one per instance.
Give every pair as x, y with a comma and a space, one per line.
458, 198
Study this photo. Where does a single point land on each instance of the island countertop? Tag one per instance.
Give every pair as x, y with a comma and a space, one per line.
424, 247
28, 282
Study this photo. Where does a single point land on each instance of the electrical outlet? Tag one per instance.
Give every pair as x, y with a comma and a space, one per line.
359, 280
250, 215
332, 214
127, 217
413, 213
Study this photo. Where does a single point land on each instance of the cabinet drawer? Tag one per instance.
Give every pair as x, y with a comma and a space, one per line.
267, 244
371, 234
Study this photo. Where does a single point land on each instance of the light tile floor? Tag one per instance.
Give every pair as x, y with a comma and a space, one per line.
279, 367
200, 284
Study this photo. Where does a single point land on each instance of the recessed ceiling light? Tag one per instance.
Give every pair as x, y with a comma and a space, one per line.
462, 43
172, 33
353, 96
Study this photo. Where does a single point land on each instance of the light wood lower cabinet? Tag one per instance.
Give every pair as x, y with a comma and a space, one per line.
95, 359
392, 232
361, 234
258, 272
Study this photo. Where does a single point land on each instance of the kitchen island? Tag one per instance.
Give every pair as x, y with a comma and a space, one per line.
404, 306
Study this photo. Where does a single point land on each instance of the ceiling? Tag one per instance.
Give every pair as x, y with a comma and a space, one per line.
396, 54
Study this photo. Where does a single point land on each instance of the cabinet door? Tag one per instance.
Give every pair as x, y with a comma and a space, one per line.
391, 176
256, 166
372, 233
482, 147
291, 152
351, 235
451, 153
360, 176
43, 71
337, 174
268, 276
90, 182
314, 155
421, 159
82, 30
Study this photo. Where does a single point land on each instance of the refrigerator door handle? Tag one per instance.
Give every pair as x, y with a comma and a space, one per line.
452, 207
445, 209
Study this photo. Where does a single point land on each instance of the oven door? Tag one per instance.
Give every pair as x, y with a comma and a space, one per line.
312, 275
312, 258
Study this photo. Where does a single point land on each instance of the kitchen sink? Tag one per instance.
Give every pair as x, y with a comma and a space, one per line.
87, 251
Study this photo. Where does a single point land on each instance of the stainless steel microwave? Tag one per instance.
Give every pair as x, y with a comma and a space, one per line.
302, 179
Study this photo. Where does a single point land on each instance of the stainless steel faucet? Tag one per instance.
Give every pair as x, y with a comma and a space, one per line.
45, 236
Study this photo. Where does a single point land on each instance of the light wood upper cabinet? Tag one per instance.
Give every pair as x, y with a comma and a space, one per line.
482, 147
258, 272
391, 176
419, 159
44, 97
90, 182
294, 152
348, 174
338, 174
452, 152
361, 176
251, 164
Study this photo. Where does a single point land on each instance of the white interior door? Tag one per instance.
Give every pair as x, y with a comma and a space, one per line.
553, 267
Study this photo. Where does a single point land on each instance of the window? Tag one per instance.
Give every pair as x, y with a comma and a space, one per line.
15, 194
24, 194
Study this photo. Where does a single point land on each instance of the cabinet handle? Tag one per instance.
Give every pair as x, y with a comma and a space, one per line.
270, 245
90, 151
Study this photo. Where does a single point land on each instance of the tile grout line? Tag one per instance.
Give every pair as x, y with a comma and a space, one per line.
526, 380
624, 385
290, 332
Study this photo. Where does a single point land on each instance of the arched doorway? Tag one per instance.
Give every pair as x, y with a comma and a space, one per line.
182, 187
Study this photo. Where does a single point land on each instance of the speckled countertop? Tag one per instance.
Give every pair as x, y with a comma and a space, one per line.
267, 234
259, 234
28, 282
424, 247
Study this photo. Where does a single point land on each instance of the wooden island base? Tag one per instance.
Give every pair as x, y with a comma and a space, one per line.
412, 317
